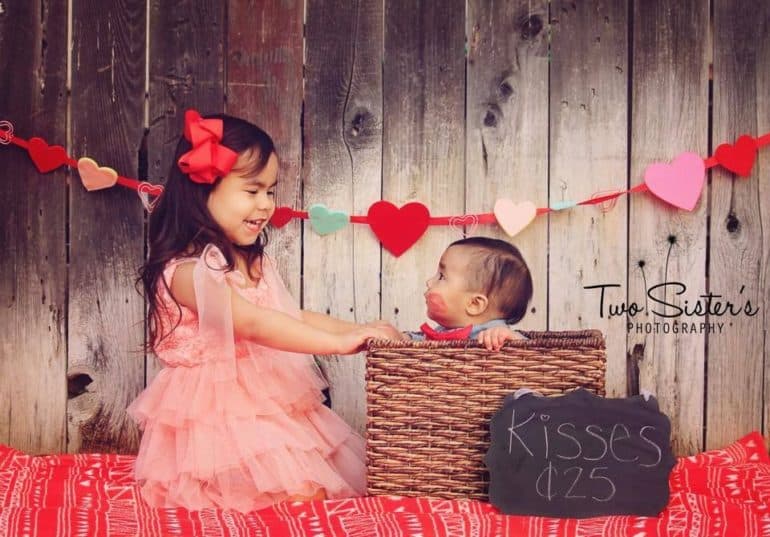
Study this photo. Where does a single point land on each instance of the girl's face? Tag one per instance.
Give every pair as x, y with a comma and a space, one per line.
243, 203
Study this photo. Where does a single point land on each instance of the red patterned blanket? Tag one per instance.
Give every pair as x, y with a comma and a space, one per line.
722, 492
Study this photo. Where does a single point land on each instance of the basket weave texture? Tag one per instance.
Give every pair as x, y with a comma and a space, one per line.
429, 404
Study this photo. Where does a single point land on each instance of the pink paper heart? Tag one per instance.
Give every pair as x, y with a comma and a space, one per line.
679, 183
513, 217
94, 177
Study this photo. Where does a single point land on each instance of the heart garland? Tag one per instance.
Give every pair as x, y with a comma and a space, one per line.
679, 183
48, 158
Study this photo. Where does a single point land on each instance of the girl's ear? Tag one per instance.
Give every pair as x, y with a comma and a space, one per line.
477, 304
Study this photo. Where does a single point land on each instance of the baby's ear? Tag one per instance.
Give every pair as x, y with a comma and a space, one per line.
477, 304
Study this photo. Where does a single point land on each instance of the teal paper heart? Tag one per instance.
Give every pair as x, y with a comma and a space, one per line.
561, 205
325, 221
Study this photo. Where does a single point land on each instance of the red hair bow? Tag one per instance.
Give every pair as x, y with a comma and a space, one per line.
208, 159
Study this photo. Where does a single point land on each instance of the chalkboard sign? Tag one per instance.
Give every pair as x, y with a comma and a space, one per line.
579, 455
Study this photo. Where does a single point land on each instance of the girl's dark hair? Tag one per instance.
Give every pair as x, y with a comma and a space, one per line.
498, 269
181, 224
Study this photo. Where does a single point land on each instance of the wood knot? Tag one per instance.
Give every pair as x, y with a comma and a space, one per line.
361, 127
490, 119
733, 224
531, 27
357, 125
77, 384
506, 90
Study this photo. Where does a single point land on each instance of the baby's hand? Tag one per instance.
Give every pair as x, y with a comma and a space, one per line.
493, 338
388, 330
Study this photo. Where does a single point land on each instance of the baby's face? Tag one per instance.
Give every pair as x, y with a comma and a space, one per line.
447, 294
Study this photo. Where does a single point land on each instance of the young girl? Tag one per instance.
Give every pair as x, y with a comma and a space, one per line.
235, 419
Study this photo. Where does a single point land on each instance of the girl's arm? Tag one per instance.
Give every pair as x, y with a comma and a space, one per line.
338, 326
326, 322
273, 328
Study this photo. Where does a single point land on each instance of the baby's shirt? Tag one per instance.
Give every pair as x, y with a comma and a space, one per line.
442, 332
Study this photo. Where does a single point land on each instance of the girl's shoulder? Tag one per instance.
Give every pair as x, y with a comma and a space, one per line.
212, 260
188, 255
169, 270
175, 262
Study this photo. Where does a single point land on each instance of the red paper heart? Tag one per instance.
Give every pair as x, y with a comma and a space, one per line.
398, 229
46, 157
282, 216
738, 158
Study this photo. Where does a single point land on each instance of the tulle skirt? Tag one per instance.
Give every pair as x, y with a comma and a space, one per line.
245, 443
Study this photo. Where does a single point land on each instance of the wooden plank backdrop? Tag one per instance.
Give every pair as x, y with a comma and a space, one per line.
342, 155
506, 144
588, 153
264, 85
739, 247
178, 34
454, 104
33, 233
423, 142
106, 228
669, 91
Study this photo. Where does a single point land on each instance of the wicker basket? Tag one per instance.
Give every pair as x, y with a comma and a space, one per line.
429, 404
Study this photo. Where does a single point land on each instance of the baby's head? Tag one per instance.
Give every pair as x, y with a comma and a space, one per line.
221, 191
479, 279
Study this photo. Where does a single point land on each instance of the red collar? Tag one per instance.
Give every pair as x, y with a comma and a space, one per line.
454, 333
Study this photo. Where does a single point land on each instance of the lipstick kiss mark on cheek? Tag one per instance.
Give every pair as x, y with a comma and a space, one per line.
436, 304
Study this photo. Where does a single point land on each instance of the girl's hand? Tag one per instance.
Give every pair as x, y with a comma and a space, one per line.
354, 340
388, 330
493, 338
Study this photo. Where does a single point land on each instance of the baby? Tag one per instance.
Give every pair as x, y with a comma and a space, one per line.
480, 287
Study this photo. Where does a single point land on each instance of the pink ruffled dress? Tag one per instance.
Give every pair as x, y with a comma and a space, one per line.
229, 423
